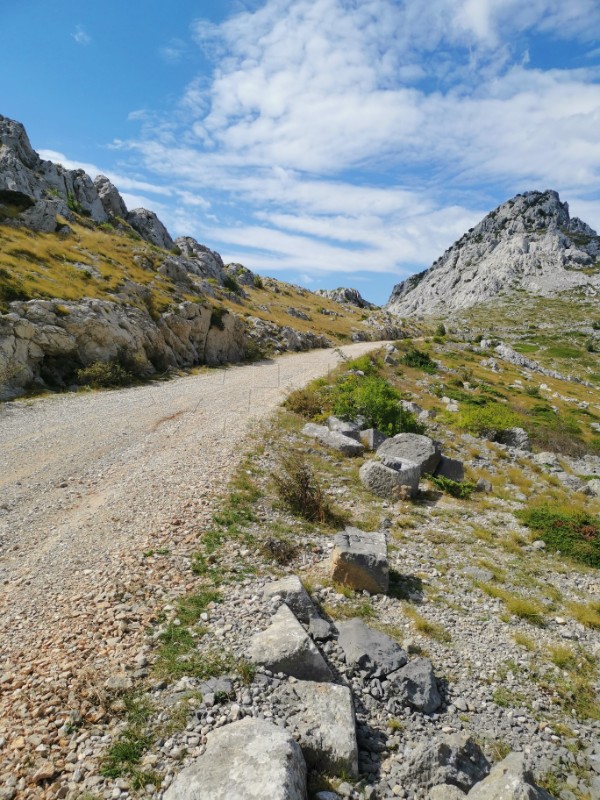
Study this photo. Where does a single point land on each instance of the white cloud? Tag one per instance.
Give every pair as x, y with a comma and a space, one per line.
81, 36
174, 51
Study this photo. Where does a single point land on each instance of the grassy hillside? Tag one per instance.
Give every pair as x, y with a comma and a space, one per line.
104, 262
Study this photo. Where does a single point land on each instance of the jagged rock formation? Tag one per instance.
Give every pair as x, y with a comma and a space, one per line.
529, 242
350, 297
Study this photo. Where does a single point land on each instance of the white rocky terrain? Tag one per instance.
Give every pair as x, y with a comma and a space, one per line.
529, 243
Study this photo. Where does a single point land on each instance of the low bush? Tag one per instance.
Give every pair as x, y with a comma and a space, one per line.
418, 360
460, 489
103, 375
575, 534
489, 420
377, 401
299, 489
230, 283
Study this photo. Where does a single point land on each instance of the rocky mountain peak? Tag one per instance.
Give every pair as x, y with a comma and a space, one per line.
529, 242
351, 297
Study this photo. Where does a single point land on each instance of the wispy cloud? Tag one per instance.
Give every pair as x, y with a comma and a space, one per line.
81, 36
173, 51
339, 136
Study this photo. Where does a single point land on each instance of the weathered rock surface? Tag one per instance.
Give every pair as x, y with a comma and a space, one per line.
414, 448
112, 202
359, 560
372, 438
286, 647
350, 429
369, 650
386, 481
529, 242
247, 760
294, 595
451, 468
445, 792
509, 780
350, 297
515, 437
321, 718
42, 341
416, 686
456, 760
150, 228
337, 441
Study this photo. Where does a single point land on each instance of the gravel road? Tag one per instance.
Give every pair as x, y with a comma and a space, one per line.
88, 484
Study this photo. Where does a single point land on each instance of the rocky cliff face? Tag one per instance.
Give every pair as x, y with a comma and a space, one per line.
351, 297
529, 243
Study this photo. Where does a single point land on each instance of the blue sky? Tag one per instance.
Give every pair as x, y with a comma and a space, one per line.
325, 142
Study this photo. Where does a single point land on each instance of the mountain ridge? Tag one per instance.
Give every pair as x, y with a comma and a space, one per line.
529, 242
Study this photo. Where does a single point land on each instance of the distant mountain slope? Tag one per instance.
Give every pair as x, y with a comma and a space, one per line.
529, 243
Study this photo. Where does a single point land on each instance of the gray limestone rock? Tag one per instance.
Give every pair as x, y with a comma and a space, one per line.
150, 228
286, 647
319, 629
451, 468
414, 448
247, 760
321, 719
350, 429
509, 780
295, 596
416, 686
369, 650
456, 760
529, 242
445, 791
111, 200
359, 560
372, 438
351, 297
337, 441
594, 487
386, 481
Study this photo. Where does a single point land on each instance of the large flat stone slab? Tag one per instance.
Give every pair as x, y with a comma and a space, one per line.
321, 718
248, 760
369, 650
286, 647
415, 448
510, 779
359, 560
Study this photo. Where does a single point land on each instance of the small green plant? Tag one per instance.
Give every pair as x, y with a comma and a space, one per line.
230, 283
460, 489
258, 282
73, 204
377, 401
440, 330
419, 360
574, 533
217, 317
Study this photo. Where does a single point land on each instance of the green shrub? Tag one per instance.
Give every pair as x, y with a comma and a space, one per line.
378, 402
306, 402
488, 420
230, 283
217, 315
574, 533
103, 375
440, 330
258, 282
461, 489
419, 360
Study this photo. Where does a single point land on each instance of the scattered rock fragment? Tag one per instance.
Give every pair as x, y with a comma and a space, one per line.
415, 684
369, 650
286, 647
509, 780
386, 481
456, 760
414, 448
337, 441
294, 595
359, 560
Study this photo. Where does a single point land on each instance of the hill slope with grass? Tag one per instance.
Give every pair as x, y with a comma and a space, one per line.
84, 283
530, 243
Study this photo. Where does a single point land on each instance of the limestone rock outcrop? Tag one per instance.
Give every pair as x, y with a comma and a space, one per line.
530, 242
350, 297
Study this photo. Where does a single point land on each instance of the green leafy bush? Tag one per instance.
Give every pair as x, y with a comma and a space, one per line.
419, 360
488, 420
103, 375
575, 533
374, 399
